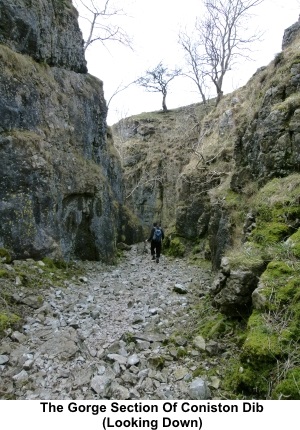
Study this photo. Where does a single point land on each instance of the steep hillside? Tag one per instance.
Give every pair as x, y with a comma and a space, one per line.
154, 147
187, 166
236, 203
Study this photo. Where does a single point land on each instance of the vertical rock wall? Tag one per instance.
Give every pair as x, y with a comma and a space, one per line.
251, 137
47, 30
61, 187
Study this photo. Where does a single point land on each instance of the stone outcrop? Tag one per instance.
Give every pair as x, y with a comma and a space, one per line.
219, 234
270, 145
290, 34
154, 148
61, 186
47, 31
251, 137
232, 290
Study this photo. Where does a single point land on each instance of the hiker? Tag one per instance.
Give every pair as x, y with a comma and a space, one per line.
156, 237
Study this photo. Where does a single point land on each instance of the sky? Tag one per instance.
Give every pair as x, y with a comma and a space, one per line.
154, 26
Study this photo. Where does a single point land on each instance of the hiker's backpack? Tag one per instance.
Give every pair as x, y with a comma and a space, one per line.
157, 235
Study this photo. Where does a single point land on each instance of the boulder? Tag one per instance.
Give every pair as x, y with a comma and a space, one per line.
234, 299
198, 389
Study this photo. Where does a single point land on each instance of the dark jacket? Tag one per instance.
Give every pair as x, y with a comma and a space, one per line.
152, 233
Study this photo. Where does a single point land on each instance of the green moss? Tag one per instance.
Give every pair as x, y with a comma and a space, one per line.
49, 262
197, 248
289, 388
291, 330
5, 256
199, 261
269, 232
200, 371
175, 248
157, 361
213, 326
294, 240
3, 273
246, 379
40, 299
262, 342
7, 320
281, 283
289, 211
119, 254
233, 200
283, 210
277, 210
55, 264
277, 269
261, 345
203, 371
287, 292
181, 352
128, 337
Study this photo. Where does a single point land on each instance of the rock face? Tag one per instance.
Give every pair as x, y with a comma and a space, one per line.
185, 168
46, 30
219, 234
154, 148
232, 293
270, 145
290, 34
61, 187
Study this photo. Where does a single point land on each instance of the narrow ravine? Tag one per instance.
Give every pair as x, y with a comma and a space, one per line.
108, 336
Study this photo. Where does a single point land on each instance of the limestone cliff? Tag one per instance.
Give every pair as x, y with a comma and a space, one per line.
154, 148
48, 31
61, 189
184, 167
235, 202
251, 137
251, 222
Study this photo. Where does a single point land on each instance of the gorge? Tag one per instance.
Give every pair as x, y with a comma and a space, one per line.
223, 180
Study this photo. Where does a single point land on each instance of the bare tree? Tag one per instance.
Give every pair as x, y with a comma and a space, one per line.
158, 80
195, 61
100, 16
222, 37
118, 90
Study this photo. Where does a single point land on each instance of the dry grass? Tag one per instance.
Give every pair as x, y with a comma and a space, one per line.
279, 192
17, 66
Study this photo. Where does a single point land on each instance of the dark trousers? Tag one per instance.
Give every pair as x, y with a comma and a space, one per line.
155, 248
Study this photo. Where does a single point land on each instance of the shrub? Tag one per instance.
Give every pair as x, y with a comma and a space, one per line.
7, 320
5, 256
176, 248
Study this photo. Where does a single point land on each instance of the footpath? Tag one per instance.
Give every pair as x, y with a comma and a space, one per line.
117, 333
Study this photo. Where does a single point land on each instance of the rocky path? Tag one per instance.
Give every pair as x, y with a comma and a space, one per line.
108, 336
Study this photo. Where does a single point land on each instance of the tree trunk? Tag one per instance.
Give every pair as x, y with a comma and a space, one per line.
219, 96
164, 106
